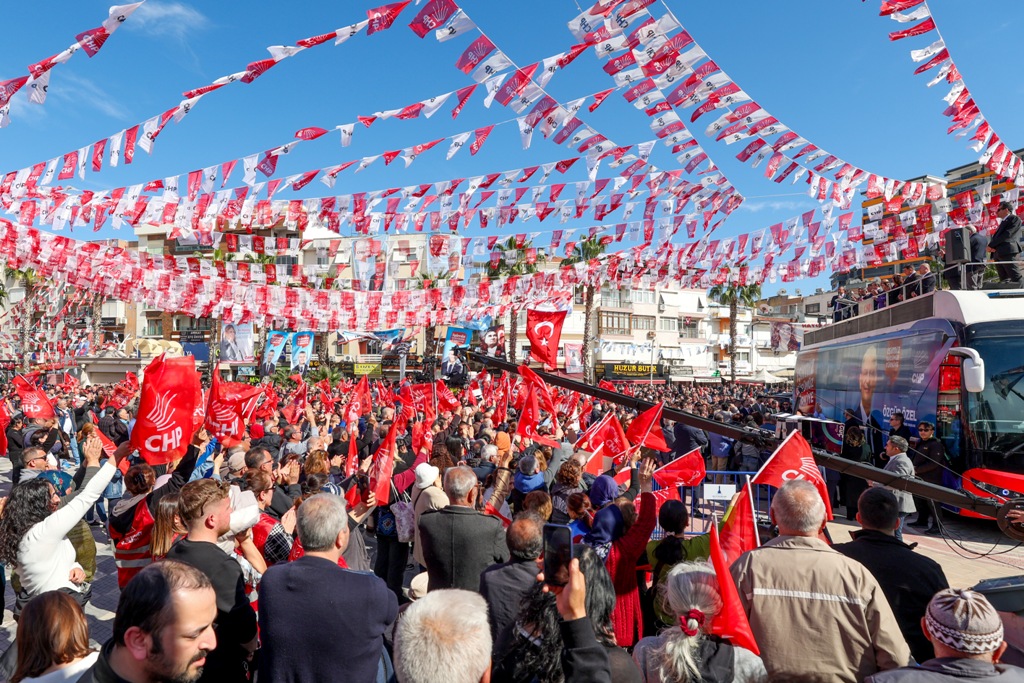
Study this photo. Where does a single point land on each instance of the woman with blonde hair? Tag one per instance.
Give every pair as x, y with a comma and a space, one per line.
686, 652
52, 640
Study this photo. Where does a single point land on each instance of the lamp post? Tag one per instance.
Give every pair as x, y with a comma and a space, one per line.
652, 336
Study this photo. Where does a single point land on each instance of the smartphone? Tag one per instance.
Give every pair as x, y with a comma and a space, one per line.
557, 554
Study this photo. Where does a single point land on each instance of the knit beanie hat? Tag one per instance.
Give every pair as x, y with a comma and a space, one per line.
965, 621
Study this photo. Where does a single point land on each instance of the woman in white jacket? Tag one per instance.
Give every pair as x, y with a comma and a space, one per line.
33, 531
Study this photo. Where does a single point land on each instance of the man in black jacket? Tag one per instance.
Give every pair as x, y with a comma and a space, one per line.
907, 579
319, 622
458, 542
929, 458
504, 585
205, 510
1005, 244
979, 249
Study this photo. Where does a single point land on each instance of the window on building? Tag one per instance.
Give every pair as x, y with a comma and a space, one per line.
667, 324
812, 308
284, 260
743, 356
690, 329
155, 328
615, 323
614, 298
643, 322
579, 296
641, 296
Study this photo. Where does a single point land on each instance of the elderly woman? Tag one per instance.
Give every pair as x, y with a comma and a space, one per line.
686, 652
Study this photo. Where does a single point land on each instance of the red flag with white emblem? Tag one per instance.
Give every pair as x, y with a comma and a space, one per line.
164, 424
34, 403
381, 18
544, 330
793, 459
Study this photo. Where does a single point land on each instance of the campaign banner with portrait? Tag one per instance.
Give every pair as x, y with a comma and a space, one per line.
236, 343
456, 339
492, 342
276, 340
302, 352
369, 265
863, 383
573, 358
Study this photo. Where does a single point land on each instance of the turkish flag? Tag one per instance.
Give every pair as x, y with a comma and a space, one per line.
645, 429
739, 526
686, 470
544, 329
731, 621
163, 426
225, 410
606, 438
34, 403
793, 460
606, 385
527, 427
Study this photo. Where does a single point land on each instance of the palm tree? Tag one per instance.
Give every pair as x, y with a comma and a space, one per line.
515, 266
584, 252
29, 281
734, 296
324, 371
282, 377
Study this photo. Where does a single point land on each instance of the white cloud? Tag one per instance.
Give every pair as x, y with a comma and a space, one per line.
67, 85
171, 19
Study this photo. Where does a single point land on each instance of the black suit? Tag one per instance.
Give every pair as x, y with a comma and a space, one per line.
316, 617
459, 543
1006, 242
908, 580
979, 251
503, 587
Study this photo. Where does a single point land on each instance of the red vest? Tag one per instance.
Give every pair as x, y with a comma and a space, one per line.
132, 550
261, 531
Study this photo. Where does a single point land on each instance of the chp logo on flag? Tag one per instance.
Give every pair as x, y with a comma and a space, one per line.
165, 421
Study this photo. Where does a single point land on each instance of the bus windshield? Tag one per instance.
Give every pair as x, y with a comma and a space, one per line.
996, 415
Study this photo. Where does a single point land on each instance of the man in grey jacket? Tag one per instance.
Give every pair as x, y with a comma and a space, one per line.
900, 464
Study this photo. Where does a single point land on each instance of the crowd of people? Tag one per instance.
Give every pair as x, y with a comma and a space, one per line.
275, 559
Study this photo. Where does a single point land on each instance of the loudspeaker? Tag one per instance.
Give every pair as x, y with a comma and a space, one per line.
958, 246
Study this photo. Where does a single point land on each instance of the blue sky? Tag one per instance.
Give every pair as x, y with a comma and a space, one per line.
826, 69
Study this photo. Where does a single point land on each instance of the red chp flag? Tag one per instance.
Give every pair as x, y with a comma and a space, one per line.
297, 402
381, 18
163, 427
34, 403
686, 470
445, 398
382, 467
739, 526
544, 329
793, 460
731, 621
124, 392
433, 16
527, 427
645, 429
606, 438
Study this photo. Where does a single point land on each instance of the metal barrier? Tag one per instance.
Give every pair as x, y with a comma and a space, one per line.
720, 485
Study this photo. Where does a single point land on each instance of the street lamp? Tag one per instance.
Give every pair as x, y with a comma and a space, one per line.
652, 336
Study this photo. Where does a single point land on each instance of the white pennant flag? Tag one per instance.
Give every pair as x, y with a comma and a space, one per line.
115, 148
940, 76
51, 170
492, 87
118, 14
185, 107
366, 161
491, 66
546, 70
459, 25
209, 178
38, 88
343, 34
149, 130
457, 142
347, 130
279, 52
249, 164
526, 131
917, 15
644, 150
83, 157
928, 52
593, 164
431, 106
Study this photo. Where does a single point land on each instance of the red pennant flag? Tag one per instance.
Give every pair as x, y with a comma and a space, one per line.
793, 460
92, 40
493, 512
739, 526
686, 470
225, 410
124, 392
544, 330
920, 29
480, 136
445, 398
893, 6
381, 18
527, 427
606, 438
34, 403
731, 622
311, 133
433, 16
163, 426
645, 429
462, 95
474, 54
352, 464
599, 98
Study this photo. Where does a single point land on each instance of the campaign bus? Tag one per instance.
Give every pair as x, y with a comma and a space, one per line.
952, 358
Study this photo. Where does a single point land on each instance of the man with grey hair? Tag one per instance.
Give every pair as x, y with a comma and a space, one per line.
900, 464
504, 585
967, 635
316, 617
444, 637
459, 542
794, 583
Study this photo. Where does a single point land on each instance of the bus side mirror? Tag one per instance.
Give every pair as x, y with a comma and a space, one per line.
972, 367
